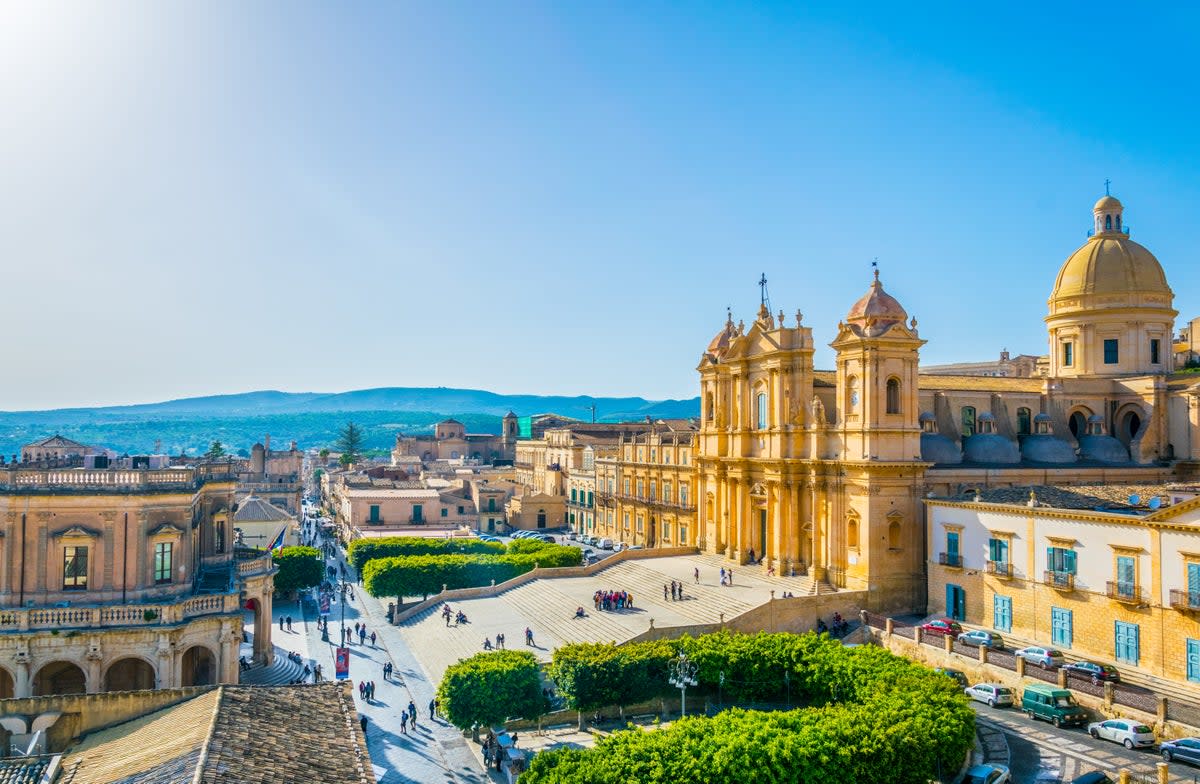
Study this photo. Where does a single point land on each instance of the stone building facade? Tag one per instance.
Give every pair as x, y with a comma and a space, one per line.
645, 488
124, 579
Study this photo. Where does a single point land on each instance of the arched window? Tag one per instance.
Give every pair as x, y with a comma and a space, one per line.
852, 393
1024, 422
1108, 223
968, 421
761, 422
708, 406
894, 535
852, 532
893, 396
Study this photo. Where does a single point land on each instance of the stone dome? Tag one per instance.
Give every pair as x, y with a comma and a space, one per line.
1111, 263
876, 311
1045, 448
990, 448
937, 448
1098, 446
1107, 202
720, 341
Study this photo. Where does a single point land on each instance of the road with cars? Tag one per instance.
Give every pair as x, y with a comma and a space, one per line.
1039, 749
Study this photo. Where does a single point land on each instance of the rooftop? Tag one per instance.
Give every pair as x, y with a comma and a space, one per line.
1108, 498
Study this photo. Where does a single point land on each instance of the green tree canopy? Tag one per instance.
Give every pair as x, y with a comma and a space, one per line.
299, 568
350, 443
215, 450
489, 688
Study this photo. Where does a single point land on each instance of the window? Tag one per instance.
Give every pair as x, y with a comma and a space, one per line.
541, 518
682, 534
653, 455
626, 486
1060, 559
1068, 354
626, 521
998, 551
1024, 421
374, 518
893, 396
1154, 344
641, 487
683, 458
590, 501
641, 454
1001, 613
162, 562
666, 532
952, 554
852, 393
75, 568
968, 421
666, 457
894, 535
1111, 356
416, 513
852, 533
708, 406
219, 531
1193, 584
1108, 223
683, 492
573, 499
1126, 575
1193, 660
640, 522
491, 504
1125, 643
1060, 626
445, 512
653, 490
667, 491
761, 422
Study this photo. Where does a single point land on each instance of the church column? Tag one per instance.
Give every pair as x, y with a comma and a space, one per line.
734, 518
816, 500
795, 521
775, 507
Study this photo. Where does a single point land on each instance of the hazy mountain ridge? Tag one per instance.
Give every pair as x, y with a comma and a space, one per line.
310, 418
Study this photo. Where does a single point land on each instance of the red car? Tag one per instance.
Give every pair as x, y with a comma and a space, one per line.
941, 626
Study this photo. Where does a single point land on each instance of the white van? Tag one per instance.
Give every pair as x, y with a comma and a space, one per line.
605, 544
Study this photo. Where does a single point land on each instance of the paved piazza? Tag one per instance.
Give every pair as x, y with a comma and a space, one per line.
548, 607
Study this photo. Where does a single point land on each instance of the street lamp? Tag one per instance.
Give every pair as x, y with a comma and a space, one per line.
682, 673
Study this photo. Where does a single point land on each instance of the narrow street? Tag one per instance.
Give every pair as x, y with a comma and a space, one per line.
1037, 747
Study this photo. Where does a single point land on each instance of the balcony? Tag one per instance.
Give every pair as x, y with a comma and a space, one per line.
953, 560
1124, 592
1185, 600
1063, 581
1001, 569
110, 616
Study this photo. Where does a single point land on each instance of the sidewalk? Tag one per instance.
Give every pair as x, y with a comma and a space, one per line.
433, 752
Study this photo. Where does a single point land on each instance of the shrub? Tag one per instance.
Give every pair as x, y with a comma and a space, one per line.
299, 567
362, 550
489, 688
422, 575
870, 715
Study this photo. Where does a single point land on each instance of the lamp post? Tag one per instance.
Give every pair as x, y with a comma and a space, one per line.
682, 673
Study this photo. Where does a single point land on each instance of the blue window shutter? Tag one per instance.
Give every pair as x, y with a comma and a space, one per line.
1193, 659
1069, 561
1193, 578
1050, 565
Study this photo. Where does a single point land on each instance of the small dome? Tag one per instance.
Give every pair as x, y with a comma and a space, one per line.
1046, 449
1103, 449
927, 416
876, 311
1109, 203
990, 448
720, 341
1042, 418
937, 448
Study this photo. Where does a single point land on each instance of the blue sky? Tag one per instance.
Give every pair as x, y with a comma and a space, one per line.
215, 197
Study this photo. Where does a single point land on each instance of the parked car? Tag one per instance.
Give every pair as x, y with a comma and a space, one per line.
619, 546
548, 539
958, 676
987, 774
1044, 657
1182, 749
992, 693
488, 538
1057, 706
605, 544
982, 638
1094, 670
1129, 733
572, 536
943, 626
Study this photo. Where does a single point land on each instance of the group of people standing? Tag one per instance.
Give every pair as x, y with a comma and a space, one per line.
360, 631
675, 589
499, 646
613, 600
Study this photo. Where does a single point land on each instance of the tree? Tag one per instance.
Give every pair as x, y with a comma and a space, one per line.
299, 568
215, 450
324, 453
350, 443
489, 688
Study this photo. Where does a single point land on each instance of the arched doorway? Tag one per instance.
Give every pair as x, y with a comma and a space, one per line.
1078, 422
199, 667
59, 677
129, 674
7, 690
1128, 425
260, 628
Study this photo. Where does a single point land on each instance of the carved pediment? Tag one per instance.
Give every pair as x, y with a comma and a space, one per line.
167, 529
77, 532
758, 489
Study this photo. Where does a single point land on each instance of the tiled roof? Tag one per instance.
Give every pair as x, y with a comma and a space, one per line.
255, 509
56, 441
244, 734
1112, 498
23, 770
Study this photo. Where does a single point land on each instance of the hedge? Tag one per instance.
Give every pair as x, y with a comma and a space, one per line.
363, 550
489, 688
870, 715
422, 575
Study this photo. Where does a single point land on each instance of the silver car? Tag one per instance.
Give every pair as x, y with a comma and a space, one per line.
991, 693
1129, 733
1042, 656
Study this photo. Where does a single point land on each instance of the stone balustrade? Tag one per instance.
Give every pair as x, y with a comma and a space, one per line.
253, 566
108, 616
101, 479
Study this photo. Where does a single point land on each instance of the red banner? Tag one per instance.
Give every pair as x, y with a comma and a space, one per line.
341, 664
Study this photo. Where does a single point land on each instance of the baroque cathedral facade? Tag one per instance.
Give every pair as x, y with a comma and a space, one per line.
825, 472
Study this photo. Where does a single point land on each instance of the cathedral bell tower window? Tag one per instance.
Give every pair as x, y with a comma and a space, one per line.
762, 422
893, 396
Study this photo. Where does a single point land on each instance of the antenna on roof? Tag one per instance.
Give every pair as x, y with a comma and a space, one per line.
1135, 499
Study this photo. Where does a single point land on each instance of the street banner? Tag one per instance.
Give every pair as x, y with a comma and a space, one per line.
324, 605
341, 664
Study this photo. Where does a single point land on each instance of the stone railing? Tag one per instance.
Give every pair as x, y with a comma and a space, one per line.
101, 479
253, 566
109, 616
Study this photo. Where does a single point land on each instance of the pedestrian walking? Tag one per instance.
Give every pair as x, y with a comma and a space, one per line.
362, 634
404, 722
289, 620
412, 712
696, 574
362, 690
372, 639
371, 690
528, 636
731, 577
362, 722
281, 623
664, 592
432, 708
722, 575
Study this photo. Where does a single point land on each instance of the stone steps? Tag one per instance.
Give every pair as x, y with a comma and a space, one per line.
553, 613
280, 672
702, 603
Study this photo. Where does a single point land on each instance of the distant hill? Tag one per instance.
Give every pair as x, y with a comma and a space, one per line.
310, 418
